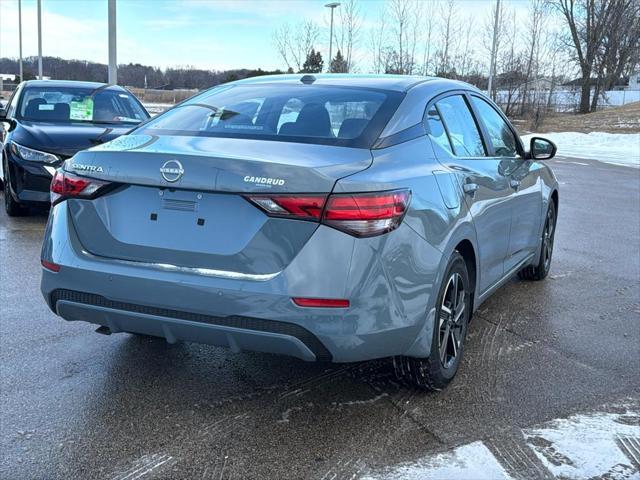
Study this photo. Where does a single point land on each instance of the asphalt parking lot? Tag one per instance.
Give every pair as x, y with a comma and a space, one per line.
75, 404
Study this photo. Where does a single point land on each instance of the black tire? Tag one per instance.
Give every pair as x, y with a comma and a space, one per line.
438, 370
541, 269
13, 208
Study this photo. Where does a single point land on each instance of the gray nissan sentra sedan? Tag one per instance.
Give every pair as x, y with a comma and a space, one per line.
329, 217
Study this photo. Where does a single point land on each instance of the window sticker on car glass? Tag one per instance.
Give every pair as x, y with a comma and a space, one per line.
123, 95
46, 106
81, 109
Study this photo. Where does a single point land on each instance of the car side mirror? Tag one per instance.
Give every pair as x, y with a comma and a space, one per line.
542, 149
9, 121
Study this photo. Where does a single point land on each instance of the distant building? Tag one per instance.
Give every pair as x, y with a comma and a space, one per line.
634, 81
537, 84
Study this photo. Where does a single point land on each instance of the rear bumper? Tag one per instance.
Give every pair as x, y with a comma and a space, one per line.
237, 333
388, 287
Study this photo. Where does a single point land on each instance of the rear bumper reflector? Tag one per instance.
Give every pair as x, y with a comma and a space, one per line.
54, 267
321, 302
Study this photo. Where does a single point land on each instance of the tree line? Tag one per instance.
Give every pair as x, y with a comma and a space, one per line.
597, 41
132, 75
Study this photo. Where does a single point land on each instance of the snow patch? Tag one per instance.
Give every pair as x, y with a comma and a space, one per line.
473, 461
616, 148
586, 446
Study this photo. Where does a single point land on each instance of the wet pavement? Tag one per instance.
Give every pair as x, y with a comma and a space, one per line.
75, 404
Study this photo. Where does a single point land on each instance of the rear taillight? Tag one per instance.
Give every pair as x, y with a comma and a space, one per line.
367, 214
358, 214
65, 185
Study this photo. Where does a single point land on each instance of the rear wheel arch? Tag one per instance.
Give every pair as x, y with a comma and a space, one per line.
466, 249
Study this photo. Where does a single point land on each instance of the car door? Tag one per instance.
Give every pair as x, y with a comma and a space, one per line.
486, 187
526, 201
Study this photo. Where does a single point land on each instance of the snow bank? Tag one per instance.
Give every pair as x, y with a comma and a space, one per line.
617, 148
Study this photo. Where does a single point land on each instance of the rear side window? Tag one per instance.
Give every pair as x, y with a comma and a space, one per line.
501, 136
319, 114
463, 131
436, 129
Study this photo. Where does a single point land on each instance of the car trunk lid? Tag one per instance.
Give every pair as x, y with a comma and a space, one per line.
177, 209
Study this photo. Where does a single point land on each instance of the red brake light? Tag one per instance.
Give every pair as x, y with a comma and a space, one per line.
65, 184
295, 206
321, 302
358, 214
367, 214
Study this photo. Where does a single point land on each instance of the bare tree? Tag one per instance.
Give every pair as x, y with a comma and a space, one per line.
534, 26
449, 35
379, 50
348, 31
587, 21
401, 15
493, 33
425, 14
620, 47
295, 44
282, 40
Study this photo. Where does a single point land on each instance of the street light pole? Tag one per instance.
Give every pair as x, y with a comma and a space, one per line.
494, 45
39, 39
332, 6
20, 37
113, 64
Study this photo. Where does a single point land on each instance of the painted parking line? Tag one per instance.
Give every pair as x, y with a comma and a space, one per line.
572, 162
601, 445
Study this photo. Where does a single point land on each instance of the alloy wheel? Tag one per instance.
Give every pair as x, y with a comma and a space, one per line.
452, 318
547, 238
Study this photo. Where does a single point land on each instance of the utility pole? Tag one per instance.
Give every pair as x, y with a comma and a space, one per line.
39, 39
20, 37
113, 63
494, 47
332, 6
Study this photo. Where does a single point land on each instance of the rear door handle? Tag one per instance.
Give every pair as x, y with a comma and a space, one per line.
470, 188
514, 183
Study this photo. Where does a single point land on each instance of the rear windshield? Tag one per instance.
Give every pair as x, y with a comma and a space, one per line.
345, 116
80, 104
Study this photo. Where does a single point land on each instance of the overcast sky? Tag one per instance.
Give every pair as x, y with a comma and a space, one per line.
212, 34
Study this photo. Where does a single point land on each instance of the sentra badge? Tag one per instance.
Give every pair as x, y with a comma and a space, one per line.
87, 168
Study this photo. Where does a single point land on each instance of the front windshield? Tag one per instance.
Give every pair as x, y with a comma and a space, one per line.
80, 104
328, 115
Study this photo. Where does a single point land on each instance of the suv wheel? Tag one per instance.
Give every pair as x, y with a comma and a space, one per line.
447, 345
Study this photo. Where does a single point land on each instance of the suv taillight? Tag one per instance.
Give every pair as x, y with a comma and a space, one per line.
358, 214
65, 185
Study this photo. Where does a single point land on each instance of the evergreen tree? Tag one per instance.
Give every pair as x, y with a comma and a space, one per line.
313, 63
339, 64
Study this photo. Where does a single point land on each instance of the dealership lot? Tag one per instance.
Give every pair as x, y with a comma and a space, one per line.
561, 355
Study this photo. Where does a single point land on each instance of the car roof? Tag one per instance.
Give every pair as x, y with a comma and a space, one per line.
400, 83
68, 83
